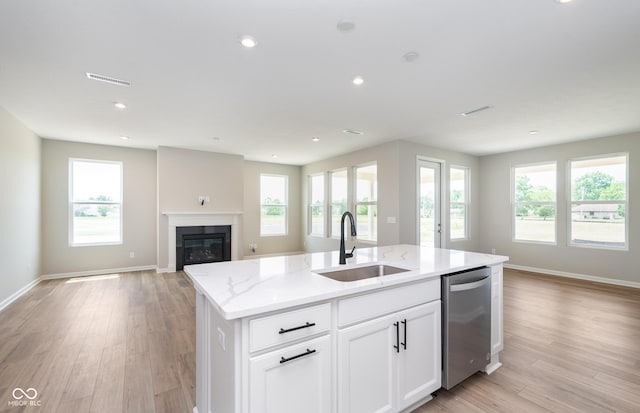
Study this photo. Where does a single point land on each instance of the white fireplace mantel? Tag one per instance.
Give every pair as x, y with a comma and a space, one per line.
192, 219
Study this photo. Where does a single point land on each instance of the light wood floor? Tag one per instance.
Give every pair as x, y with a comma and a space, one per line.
570, 346
127, 345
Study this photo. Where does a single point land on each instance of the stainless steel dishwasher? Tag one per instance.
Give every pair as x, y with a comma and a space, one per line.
466, 324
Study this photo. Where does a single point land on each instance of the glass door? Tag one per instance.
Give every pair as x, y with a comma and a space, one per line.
429, 225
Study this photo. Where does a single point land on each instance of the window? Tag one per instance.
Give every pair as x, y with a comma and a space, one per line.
95, 202
338, 199
599, 204
273, 205
317, 205
366, 204
458, 202
534, 203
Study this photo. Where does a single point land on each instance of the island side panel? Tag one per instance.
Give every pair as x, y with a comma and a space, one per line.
224, 385
497, 335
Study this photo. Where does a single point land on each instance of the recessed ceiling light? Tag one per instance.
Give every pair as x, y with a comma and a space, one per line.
248, 42
410, 57
533, 132
346, 26
315, 139
119, 105
563, 1
274, 156
124, 138
216, 138
353, 132
358, 80
471, 112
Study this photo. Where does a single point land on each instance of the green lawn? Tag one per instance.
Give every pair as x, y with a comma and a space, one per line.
95, 230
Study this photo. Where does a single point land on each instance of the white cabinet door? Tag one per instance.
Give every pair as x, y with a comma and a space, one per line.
419, 361
497, 343
366, 367
293, 379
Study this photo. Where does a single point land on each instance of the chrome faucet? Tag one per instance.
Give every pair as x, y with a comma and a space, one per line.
344, 255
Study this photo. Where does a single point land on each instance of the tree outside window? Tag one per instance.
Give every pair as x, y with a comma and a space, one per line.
534, 203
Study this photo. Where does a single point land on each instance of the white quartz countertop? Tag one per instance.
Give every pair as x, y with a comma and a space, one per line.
249, 287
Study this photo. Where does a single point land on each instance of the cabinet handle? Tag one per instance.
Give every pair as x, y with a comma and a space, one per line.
404, 344
306, 353
397, 346
307, 325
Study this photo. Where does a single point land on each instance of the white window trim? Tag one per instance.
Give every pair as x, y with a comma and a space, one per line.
70, 220
355, 202
514, 205
311, 205
285, 206
465, 203
330, 202
570, 243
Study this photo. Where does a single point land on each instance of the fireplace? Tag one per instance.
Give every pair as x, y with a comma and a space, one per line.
202, 244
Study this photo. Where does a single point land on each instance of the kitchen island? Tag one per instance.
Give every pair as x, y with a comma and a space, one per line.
274, 335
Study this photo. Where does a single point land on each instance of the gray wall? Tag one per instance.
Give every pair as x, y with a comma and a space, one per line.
292, 242
495, 204
139, 210
19, 205
183, 175
397, 185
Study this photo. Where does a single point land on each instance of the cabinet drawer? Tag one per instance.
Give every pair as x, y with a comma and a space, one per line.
367, 306
282, 328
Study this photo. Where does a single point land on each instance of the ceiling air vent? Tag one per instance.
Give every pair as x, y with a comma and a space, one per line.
108, 79
353, 132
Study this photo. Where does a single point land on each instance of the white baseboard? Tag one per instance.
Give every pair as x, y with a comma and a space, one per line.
97, 272
4, 303
162, 270
593, 278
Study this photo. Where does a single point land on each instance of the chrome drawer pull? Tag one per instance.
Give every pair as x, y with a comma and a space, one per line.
306, 353
307, 325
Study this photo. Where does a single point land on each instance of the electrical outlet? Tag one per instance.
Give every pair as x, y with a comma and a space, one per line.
253, 247
132, 254
493, 250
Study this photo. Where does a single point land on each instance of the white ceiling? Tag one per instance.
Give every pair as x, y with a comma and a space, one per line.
570, 71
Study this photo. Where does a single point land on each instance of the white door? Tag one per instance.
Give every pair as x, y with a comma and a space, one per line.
366, 367
429, 222
293, 379
420, 362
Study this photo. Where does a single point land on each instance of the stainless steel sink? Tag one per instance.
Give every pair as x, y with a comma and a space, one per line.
361, 273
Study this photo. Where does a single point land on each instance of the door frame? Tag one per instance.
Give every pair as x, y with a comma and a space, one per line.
440, 201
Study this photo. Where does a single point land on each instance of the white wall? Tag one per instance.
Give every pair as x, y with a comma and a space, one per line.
397, 187
292, 242
139, 210
183, 175
19, 206
496, 223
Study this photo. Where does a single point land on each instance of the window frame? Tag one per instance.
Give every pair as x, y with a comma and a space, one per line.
571, 202
285, 206
331, 203
465, 202
514, 204
72, 202
356, 203
311, 205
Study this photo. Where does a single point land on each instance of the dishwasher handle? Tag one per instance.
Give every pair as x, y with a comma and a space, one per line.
470, 286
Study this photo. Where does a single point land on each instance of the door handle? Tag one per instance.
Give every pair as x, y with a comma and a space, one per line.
404, 344
397, 346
